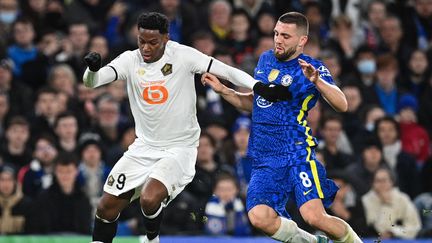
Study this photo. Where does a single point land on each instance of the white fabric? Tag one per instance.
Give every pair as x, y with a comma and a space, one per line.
174, 167
383, 217
391, 152
164, 104
144, 239
290, 232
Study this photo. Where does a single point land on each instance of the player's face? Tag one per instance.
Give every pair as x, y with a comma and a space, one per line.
288, 43
151, 44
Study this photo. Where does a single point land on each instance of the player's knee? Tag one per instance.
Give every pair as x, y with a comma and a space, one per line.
104, 211
314, 219
149, 203
260, 217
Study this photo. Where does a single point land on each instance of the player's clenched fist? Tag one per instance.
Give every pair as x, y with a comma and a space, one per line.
94, 61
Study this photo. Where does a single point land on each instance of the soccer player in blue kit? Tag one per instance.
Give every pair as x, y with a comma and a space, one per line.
281, 145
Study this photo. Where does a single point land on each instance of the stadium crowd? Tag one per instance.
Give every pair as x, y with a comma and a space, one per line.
59, 139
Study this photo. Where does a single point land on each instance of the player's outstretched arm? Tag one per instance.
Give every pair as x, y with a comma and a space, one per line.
272, 93
242, 101
331, 93
94, 75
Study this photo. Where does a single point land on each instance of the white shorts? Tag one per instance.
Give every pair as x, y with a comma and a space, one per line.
174, 167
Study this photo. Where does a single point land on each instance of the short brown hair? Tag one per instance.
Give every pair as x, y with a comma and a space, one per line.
296, 18
387, 60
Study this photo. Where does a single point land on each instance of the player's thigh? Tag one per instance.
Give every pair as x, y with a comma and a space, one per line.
265, 188
309, 180
175, 170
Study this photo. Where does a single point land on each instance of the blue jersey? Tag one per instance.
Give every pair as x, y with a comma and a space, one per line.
281, 127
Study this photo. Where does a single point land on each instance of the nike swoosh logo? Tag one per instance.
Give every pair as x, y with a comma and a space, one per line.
306, 192
259, 72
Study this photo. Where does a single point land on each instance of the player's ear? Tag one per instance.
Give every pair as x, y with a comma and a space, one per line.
303, 40
166, 38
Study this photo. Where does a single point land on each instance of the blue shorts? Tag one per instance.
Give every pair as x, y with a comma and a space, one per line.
298, 176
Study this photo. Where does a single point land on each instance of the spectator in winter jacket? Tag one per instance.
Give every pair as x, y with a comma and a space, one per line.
225, 211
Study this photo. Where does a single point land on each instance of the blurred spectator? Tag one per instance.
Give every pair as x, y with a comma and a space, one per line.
388, 211
19, 95
350, 8
4, 111
92, 168
366, 67
391, 35
217, 129
99, 44
49, 44
253, 7
313, 47
415, 80
318, 25
38, 175
15, 149
207, 170
423, 203
240, 39
204, 42
108, 126
385, 89
14, 206
63, 207
425, 105
376, 12
219, 22
347, 204
361, 173
44, 14
343, 40
333, 62
415, 139
402, 164
63, 79
9, 12
46, 110
23, 48
92, 12
66, 128
331, 130
75, 46
225, 211
265, 22
368, 115
116, 24
417, 24
351, 119
235, 153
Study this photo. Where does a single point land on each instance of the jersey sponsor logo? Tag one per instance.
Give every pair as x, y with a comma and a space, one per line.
274, 73
260, 72
307, 192
154, 92
263, 103
323, 71
286, 80
166, 69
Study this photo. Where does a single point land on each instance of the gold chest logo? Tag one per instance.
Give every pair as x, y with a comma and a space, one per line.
274, 73
166, 69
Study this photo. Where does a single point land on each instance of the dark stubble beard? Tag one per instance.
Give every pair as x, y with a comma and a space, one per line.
286, 55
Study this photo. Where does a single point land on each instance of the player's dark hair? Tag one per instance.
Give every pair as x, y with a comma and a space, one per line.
66, 158
296, 18
153, 21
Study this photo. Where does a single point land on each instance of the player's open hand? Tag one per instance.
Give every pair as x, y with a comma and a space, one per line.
309, 71
213, 82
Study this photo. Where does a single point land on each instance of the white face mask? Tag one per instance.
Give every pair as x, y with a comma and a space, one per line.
8, 17
370, 127
366, 66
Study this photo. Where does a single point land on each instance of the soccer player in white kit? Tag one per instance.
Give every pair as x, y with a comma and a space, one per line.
160, 86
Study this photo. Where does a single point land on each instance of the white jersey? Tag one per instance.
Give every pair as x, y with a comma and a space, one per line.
162, 94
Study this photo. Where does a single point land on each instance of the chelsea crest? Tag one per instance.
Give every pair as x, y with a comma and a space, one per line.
286, 80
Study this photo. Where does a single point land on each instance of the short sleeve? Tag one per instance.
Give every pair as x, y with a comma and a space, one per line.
324, 72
